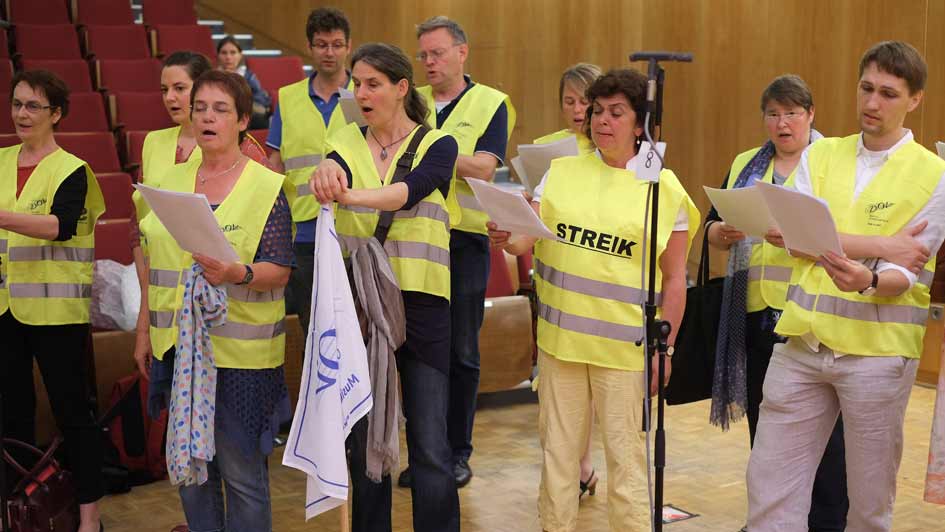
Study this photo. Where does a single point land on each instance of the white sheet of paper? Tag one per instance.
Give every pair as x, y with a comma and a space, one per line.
190, 220
744, 209
509, 210
940, 148
350, 108
805, 221
535, 159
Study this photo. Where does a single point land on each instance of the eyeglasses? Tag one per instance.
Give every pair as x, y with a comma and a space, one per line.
31, 107
324, 46
220, 108
790, 116
436, 55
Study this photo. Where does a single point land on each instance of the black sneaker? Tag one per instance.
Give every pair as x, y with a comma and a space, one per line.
404, 479
462, 472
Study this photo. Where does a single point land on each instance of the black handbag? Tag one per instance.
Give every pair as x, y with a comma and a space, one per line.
694, 359
44, 499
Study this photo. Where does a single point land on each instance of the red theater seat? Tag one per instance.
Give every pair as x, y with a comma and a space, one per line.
8, 139
140, 111
500, 280
55, 41
104, 12
4, 43
38, 12
157, 12
75, 72
128, 75
6, 74
97, 149
112, 240
117, 42
86, 113
276, 72
194, 38
117, 189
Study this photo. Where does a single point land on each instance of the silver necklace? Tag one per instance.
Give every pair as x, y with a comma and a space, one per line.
203, 180
384, 148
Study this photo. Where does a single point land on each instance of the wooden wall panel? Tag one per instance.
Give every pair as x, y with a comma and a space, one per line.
712, 110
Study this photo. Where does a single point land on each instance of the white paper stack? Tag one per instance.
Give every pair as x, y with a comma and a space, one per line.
534, 160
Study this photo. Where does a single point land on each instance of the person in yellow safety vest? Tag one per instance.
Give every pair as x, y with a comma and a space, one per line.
757, 282
481, 120
573, 103
357, 174
306, 115
854, 323
590, 292
49, 204
251, 399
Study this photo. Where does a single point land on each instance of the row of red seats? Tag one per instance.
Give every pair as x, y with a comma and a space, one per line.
133, 41
104, 12
108, 75
130, 111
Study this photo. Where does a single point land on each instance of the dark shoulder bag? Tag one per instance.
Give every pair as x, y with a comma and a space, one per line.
694, 360
44, 498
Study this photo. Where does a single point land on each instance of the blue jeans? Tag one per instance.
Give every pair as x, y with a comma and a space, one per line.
435, 501
469, 274
247, 493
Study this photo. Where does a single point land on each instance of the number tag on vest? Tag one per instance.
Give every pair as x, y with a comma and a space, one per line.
649, 165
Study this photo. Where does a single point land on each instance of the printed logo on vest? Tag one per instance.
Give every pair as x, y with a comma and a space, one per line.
231, 227
35, 204
875, 214
595, 240
464, 124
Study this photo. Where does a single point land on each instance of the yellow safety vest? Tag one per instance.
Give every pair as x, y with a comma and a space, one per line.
769, 273
158, 156
45, 282
585, 145
590, 289
418, 243
849, 322
304, 138
466, 123
254, 334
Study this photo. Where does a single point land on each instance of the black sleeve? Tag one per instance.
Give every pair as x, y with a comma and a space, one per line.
713, 215
344, 166
69, 202
434, 172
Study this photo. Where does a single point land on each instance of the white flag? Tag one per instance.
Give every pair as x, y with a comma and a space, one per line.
336, 385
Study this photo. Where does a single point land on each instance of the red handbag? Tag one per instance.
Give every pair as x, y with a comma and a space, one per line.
44, 499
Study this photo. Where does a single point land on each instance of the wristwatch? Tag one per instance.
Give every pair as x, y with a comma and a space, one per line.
871, 289
670, 351
248, 278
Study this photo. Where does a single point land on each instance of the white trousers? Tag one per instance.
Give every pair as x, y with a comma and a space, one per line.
804, 392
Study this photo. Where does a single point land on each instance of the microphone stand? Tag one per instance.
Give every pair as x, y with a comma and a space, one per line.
656, 331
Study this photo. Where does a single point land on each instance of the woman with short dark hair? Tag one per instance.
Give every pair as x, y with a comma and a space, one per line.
230, 59
244, 399
590, 294
49, 204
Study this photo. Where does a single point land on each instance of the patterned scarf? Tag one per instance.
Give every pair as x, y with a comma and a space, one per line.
730, 382
190, 427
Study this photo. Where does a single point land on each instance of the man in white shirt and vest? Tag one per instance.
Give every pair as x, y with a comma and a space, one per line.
481, 120
306, 114
856, 322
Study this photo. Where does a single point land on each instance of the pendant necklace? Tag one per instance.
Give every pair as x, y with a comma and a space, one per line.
384, 148
203, 180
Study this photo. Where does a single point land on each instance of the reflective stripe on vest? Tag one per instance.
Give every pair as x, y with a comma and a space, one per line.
47, 290
34, 253
164, 278
593, 287
245, 331
301, 161
780, 274
858, 310
580, 324
3, 245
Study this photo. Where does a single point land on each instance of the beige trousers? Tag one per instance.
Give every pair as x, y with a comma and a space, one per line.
804, 392
566, 391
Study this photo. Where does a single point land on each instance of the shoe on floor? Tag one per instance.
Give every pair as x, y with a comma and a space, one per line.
462, 472
404, 479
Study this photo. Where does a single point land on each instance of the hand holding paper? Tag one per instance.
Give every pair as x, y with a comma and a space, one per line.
805, 221
509, 210
742, 208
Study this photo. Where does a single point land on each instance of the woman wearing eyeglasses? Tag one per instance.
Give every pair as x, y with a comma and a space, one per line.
756, 287
49, 203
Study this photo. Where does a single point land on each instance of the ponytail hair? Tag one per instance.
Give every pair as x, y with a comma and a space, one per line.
393, 63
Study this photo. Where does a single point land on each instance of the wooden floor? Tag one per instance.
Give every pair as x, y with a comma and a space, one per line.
706, 476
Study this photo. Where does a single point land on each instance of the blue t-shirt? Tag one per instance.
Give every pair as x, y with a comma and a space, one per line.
305, 230
495, 138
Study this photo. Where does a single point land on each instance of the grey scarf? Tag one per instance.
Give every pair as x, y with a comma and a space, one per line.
380, 303
730, 382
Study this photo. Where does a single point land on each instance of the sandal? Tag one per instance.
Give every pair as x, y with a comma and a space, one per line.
589, 486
